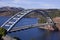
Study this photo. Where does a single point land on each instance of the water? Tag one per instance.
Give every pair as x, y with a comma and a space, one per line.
33, 33
3, 19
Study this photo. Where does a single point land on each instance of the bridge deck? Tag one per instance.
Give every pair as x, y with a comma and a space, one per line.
28, 27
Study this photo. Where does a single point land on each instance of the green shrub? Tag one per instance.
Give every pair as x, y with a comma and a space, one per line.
3, 31
41, 20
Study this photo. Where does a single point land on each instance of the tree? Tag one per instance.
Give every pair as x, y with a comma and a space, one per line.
3, 31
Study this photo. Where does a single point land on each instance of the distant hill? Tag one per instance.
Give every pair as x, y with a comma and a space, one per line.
52, 12
9, 11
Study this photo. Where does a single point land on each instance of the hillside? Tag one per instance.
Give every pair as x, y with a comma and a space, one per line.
9, 11
54, 12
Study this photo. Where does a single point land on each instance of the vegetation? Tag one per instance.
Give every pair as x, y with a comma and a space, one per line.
2, 31
54, 13
1, 37
41, 20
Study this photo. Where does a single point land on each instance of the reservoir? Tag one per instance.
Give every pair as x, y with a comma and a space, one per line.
33, 33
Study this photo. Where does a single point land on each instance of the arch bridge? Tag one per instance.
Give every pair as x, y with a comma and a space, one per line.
9, 24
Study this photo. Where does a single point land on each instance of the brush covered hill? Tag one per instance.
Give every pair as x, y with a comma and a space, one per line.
9, 11
52, 12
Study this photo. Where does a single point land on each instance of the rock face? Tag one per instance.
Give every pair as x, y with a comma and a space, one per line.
9, 11
57, 21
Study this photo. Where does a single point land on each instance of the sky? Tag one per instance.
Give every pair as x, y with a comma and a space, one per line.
29, 4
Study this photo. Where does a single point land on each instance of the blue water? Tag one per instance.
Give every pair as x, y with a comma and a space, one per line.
3, 19
33, 33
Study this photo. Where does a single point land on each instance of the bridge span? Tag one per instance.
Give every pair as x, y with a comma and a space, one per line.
43, 26
9, 24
